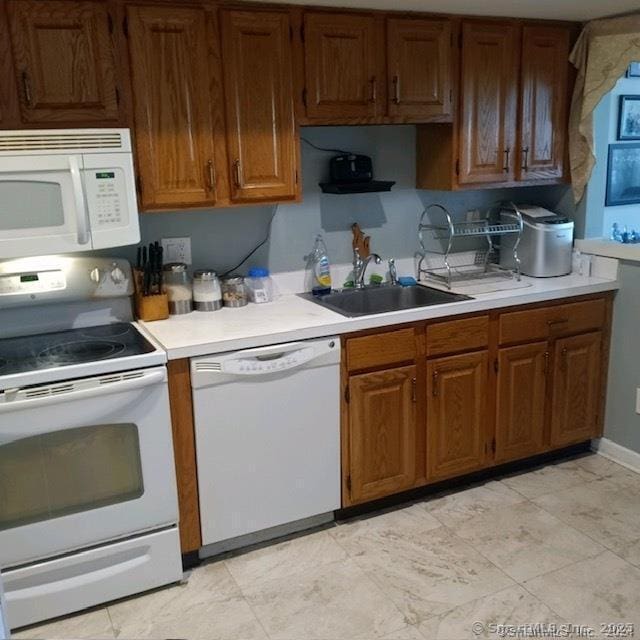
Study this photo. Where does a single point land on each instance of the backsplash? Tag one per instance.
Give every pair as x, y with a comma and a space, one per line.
222, 237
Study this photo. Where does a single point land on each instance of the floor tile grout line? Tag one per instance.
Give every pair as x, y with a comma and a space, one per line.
246, 600
113, 627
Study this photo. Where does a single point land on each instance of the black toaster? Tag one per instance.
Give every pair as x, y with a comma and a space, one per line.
349, 168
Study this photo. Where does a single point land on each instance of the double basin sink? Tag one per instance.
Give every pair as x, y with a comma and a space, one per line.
382, 299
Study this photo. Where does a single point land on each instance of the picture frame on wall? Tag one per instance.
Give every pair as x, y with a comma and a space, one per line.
634, 70
629, 118
623, 175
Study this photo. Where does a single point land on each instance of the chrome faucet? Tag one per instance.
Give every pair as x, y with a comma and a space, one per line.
360, 266
393, 274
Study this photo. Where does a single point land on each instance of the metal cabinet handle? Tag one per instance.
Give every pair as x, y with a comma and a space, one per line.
374, 89
26, 86
237, 173
546, 363
212, 175
435, 380
525, 159
414, 397
396, 89
507, 153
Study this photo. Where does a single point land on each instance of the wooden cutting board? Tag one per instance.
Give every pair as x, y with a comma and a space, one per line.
360, 241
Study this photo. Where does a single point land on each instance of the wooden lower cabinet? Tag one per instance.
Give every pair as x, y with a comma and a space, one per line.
576, 389
456, 412
382, 433
522, 384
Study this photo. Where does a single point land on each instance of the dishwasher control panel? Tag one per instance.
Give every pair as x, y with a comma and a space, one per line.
263, 361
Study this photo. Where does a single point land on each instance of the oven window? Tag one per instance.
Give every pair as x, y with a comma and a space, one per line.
30, 204
63, 472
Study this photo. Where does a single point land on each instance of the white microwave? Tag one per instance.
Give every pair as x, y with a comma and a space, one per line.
66, 190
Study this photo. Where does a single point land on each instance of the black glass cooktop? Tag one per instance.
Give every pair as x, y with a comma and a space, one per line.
65, 348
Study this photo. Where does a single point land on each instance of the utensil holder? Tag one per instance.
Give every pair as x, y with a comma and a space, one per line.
149, 308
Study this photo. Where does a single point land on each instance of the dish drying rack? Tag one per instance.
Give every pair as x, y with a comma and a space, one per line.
436, 224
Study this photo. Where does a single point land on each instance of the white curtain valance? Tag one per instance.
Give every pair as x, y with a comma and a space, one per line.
601, 55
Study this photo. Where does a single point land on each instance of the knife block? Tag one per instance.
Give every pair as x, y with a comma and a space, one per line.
149, 308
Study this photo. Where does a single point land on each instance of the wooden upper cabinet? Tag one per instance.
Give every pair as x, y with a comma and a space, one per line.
576, 389
341, 66
64, 61
419, 68
382, 433
9, 118
261, 131
456, 414
171, 75
522, 383
543, 116
489, 103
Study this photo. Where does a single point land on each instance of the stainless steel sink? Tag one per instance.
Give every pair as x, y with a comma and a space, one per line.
382, 299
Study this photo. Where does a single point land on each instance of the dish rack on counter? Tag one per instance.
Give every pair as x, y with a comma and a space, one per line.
444, 266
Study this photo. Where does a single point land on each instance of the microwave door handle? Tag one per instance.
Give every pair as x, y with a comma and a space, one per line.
78, 196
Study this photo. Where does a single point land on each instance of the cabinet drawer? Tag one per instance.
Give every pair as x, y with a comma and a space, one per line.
381, 349
553, 321
457, 335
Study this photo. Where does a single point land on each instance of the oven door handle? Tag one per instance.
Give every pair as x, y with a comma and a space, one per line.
105, 385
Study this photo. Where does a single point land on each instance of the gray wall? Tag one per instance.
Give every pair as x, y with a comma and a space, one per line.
622, 423
221, 237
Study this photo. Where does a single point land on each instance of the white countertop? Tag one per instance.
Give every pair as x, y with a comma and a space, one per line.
609, 248
291, 318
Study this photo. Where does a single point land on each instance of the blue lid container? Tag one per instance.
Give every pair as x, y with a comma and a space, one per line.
258, 272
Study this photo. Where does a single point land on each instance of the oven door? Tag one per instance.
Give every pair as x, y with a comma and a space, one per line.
83, 462
42, 205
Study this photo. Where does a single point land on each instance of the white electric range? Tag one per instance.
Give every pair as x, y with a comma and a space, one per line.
88, 503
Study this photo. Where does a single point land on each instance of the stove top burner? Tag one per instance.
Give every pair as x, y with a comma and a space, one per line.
108, 331
66, 348
76, 352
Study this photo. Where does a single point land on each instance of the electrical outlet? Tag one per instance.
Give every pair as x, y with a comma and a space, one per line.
638, 400
176, 250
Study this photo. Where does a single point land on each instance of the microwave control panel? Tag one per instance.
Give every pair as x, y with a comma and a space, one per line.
106, 197
31, 283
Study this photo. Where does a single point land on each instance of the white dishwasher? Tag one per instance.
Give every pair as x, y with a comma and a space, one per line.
267, 425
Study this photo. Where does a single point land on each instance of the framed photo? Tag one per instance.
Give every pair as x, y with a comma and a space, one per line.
634, 70
623, 174
629, 118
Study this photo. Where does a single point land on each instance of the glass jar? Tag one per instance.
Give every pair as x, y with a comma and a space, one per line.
177, 286
235, 292
207, 294
260, 285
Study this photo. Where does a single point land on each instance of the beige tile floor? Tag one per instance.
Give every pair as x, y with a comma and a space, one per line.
559, 544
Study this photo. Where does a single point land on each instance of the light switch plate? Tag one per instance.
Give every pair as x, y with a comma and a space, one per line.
176, 250
638, 400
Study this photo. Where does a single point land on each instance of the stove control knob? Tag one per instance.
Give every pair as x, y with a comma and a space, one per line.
117, 275
95, 275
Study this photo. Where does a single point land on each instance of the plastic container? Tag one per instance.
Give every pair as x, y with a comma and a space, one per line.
260, 285
318, 271
207, 293
177, 286
235, 292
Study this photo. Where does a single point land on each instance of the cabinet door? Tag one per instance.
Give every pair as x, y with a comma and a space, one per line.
456, 412
576, 389
261, 134
64, 60
545, 60
341, 70
382, 433
489, 89
522, 375
8, 95
419, 68
171, 71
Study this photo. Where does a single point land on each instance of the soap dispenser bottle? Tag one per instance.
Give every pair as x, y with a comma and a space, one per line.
318, 272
